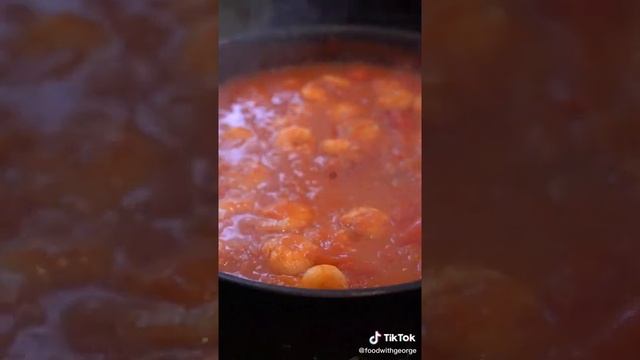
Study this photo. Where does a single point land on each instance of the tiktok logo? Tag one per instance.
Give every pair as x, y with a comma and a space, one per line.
374, 339
392, 338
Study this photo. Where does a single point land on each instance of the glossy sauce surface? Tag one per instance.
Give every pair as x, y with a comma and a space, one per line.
107, 250
320, 176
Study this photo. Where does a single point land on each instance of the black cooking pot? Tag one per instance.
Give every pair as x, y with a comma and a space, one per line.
262, 321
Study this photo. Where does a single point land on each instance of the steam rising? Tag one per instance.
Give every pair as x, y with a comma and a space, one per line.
253, 15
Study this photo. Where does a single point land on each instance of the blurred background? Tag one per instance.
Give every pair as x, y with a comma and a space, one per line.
254, 15
107, 179
532, 147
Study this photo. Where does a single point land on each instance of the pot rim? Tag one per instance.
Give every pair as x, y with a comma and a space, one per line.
320, 293
289, 32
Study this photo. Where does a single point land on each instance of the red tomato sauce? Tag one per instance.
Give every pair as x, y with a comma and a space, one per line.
320, 176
